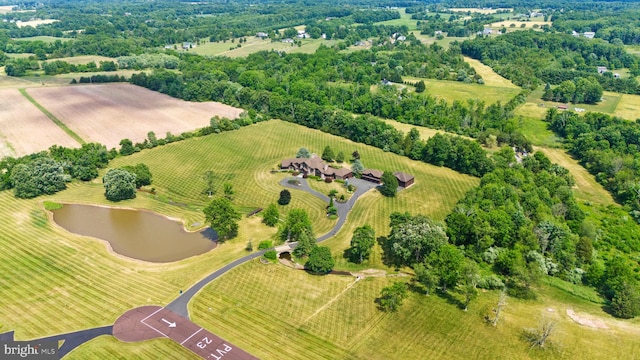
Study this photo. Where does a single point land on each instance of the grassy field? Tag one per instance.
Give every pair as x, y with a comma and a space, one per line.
276, 312
84, 59
586, 188
536, 107
479, 10
108, 347
47, 39
536, 131
628, 107
454, 90
445, 42
405, 19
490, 77
255, 44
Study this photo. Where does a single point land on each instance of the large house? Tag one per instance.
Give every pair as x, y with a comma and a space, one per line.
314, 166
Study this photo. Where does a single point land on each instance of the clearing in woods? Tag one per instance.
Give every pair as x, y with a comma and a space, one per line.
490, 77
109, 113
24, 129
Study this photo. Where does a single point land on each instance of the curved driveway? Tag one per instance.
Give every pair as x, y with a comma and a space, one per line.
180, 304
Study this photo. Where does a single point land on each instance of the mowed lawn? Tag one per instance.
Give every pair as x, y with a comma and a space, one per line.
456, 90
276, 312
628, 107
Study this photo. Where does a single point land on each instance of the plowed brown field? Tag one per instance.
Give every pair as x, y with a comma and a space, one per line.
108, 113
24, 129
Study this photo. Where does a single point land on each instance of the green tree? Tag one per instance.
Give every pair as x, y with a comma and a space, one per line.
126, 147
305, 244
340, 157
320, 260
303, 152
228, 190
271, 215
414, 238
362, 242
297, 223
425, 276
209, 180
285, 197
420, 86
626, 301
355, 155
447, 262
223, 218
357, 168
389, 184
470, 279
142, 173
327, 154
391, 297
119, 184
41, 176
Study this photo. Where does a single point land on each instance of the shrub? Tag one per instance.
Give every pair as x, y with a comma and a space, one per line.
296, 173
491, 282
328, 180
265, 244
271, 255
285, 197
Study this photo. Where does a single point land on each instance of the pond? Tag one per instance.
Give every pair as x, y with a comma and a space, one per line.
140, 235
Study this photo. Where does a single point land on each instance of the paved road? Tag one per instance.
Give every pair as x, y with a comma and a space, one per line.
180, 304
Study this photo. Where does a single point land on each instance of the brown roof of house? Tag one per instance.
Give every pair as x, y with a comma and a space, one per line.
373, 173
342, 172
404, 177
313, 163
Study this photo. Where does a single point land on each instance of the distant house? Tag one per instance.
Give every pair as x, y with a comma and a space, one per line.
401, 38
188, 45
404, 179
438, 32
314, 166
262, 35
589, 34
360, 43
562, 107
168, 47
386, 82
302, 34
324, 36
575, 33
287, 40
375, 176
602, 69
535, 14
487, 31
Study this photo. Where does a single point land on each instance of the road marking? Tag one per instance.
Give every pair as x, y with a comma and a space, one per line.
155, 312
185, 340
171, 324
161, 333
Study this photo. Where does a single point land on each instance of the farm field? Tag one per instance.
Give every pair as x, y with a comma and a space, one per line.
405, 19
527, 24
44, 38
255, 44
455, 90
110, 113
24, 129
321, 317
586, 188
479, 10
490, 77
84, 59
445, 42
628, 107
536, 107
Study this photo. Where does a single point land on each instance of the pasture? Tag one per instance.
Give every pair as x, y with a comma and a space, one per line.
536, 107
84, 59
255, 44
322, 317
586, 188
405, 19
484, 11
112, 112
24, 129
456, 90
628, 107
43, 38
518, 24
490, 77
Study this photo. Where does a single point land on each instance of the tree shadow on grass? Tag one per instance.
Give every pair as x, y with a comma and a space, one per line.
209, 234
387, 254
448, 296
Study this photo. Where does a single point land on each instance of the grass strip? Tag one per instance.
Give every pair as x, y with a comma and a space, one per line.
57, 121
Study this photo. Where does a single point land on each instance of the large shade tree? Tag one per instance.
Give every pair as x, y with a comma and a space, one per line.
223, 218
119, 184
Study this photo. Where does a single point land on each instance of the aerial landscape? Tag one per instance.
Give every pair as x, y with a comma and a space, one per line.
270, 179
